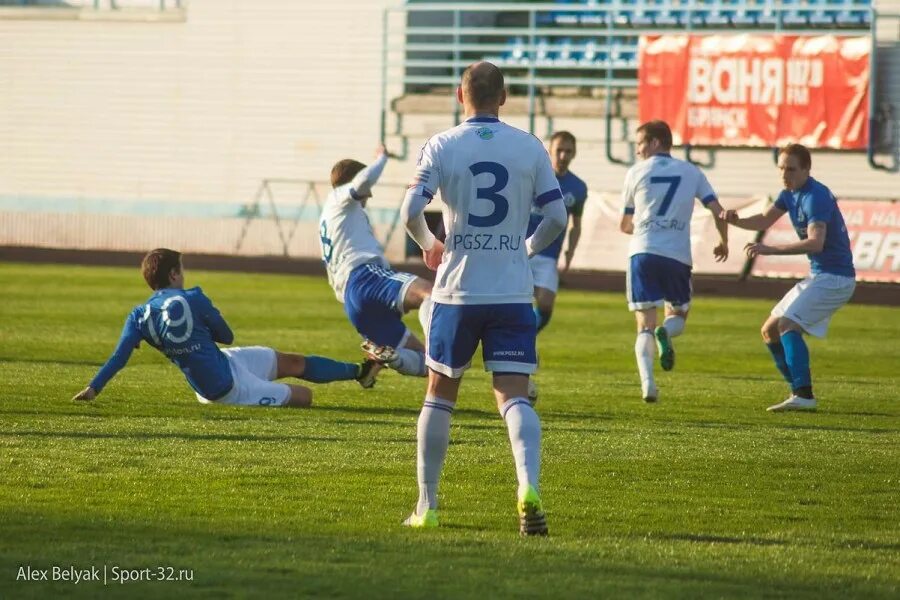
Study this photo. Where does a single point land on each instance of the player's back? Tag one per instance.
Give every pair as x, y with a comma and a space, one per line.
346, 238
661, 191
490, 173
184, 325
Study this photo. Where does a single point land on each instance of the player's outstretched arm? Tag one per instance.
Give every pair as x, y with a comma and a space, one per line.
129, 340
366, 179
758, 222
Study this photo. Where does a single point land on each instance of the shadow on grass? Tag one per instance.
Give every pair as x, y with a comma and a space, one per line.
716, 539
145, 435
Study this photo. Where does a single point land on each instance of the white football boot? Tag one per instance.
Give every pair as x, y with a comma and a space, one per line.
794, 403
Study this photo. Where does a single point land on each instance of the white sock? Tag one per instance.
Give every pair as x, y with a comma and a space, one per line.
409, 362
425, 314
524, 428
674, 325
645, 352
432, 440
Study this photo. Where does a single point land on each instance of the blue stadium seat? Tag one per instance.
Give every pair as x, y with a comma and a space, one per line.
594, 54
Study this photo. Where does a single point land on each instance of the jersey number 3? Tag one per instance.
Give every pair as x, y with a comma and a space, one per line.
490, 193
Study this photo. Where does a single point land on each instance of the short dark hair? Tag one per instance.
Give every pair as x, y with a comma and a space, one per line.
157, 265
344, 171
659, 131
801, 153
483, 84
563, 136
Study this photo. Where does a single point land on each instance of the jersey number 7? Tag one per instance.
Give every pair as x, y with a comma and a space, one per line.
673, 182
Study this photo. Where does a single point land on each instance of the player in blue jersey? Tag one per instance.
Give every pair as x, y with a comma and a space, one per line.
184, 325
809, 305
658, 203
544, 264
489, 175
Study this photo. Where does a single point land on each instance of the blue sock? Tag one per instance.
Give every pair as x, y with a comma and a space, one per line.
322, 370
777, 351
541, 318
796, 356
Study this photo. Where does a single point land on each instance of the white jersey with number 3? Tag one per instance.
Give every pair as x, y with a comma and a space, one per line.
660, 193
489, 175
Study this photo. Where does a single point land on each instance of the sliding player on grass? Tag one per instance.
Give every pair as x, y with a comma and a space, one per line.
374, 296
184, 325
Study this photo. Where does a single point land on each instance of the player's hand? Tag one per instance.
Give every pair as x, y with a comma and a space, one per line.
730, 216
721, 251
753, 250
381, 150
87, 393
434, 256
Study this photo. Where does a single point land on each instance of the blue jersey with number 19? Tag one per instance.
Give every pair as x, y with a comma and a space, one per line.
185, 326
660, 193
489, 175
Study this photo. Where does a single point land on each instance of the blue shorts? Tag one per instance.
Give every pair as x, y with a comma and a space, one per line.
653, 280
373, 299
506, 332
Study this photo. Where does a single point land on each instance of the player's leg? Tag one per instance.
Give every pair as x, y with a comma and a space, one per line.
645, 351
508, 344
807, 308
377, 305
320, 369
417, 295
644, 291
772, 337
546, 282
253, 369
452, 343
301, 397
677, 289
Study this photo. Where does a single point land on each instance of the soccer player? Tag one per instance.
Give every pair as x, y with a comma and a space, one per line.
184, 325
374, 296
544, 264
658, 198
490, 175
809, 305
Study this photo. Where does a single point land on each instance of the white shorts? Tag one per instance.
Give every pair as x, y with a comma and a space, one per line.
253, 369
813, 301
545, 272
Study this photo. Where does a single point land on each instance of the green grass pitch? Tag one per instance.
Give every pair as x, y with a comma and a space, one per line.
702, 495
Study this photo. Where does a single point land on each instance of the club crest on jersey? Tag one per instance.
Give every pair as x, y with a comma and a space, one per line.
484, 133
569, 199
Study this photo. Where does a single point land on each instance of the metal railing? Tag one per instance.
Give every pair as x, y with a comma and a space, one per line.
517, 37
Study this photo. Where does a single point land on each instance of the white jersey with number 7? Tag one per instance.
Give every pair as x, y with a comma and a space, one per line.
489, 175
660, 193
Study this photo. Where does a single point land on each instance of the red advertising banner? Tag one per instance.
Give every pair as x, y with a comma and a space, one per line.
874, 229
757, 90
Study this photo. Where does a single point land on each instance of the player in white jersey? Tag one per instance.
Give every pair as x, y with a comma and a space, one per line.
374, 296
658, 201
489, 175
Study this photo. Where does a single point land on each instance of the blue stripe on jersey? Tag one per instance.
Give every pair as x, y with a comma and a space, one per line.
427, 193
483, 120
548, 197
708, 199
